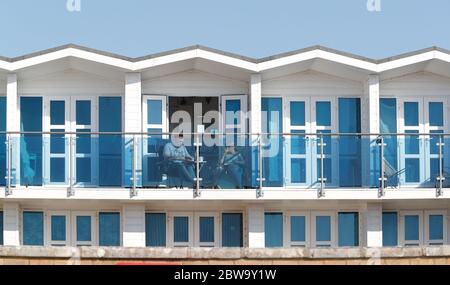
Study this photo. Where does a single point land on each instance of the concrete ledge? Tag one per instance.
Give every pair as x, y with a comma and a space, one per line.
119, 253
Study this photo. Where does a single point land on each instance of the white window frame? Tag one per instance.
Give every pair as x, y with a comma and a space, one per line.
217, 239
402, 224
172, 216
332, 242
21, 223
287, 225
94, 228
427, 215
48, 228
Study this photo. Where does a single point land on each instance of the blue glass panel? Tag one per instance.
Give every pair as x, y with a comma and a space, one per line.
349, 146
273, 165
206, 229
411, 113
57, 113
232, 230
109, 229
110, 146
326, 140
154, 112
1, 228
323, 228
298, 142
436, 114
298, 228
83, 169
348, 229
57, 170
412, 170
273, 229
323, 113
411, 142
411, 227
297, 113
434, 168
232, 106
434, 140
33, 228
83, 141
57, 142
58, 228
84, 228
31, 144
2, 141
436, 227
326, 169
155, 229
388, 125
83, 112
298, 170
181, 229
390, 229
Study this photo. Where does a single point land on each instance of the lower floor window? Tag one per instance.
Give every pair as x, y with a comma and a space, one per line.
206, 230
84, 232
348, 229
58, 229
273, 229
411, 229
297, 230
33, 228
109, 229
323, 231
232, 230
390, 228
155, 229
181, 230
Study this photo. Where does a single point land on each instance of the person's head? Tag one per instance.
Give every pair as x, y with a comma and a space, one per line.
230, 149
177, 139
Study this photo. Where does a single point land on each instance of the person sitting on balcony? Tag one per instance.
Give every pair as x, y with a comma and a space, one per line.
178, 158
231, 163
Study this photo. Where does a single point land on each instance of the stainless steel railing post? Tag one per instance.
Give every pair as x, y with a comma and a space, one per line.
133, 192
441, 177
322, 179
382, 177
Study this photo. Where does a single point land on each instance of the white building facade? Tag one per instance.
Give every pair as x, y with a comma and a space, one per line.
313, 148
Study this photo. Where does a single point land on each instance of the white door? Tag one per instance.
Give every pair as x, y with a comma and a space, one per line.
56, 145
298, 146
155, 124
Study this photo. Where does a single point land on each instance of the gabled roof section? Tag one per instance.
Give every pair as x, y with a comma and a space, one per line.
226, 58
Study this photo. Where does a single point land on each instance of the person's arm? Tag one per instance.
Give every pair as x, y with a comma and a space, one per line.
167, 152
187, 155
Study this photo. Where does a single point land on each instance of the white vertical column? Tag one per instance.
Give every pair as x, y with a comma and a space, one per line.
12, 104
133, 229
11, 225
255, 103
133, 102
370, 116
373, 225
255, 215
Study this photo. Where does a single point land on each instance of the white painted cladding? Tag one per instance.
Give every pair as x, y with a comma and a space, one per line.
417, 84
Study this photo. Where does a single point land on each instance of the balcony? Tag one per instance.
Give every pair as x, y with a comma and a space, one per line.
250, 162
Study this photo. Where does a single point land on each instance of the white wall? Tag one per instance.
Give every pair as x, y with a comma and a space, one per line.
312, 83
417, 84
2, 87
70, 82
194, 83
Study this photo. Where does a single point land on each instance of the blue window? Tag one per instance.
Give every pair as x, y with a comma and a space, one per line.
206, 229
348, 229
412, 170
436, 228
57, 169
2, 141
323, 113
181, 229
84, 170
155, 229
84, 228
390, 229
109, 229
388, 125
411, 142
31, 144
57, 113
297, 113
83, 112
323, 229
232, 230
298, 142
58, 228
1, 228
326, 169
349, 146
412, 228
436, 114
298, 170
298, 229
33, 228
273, 229
110, 146
154, 112
411, 113
232, 106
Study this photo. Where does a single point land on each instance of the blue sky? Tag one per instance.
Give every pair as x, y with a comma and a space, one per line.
255, 28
